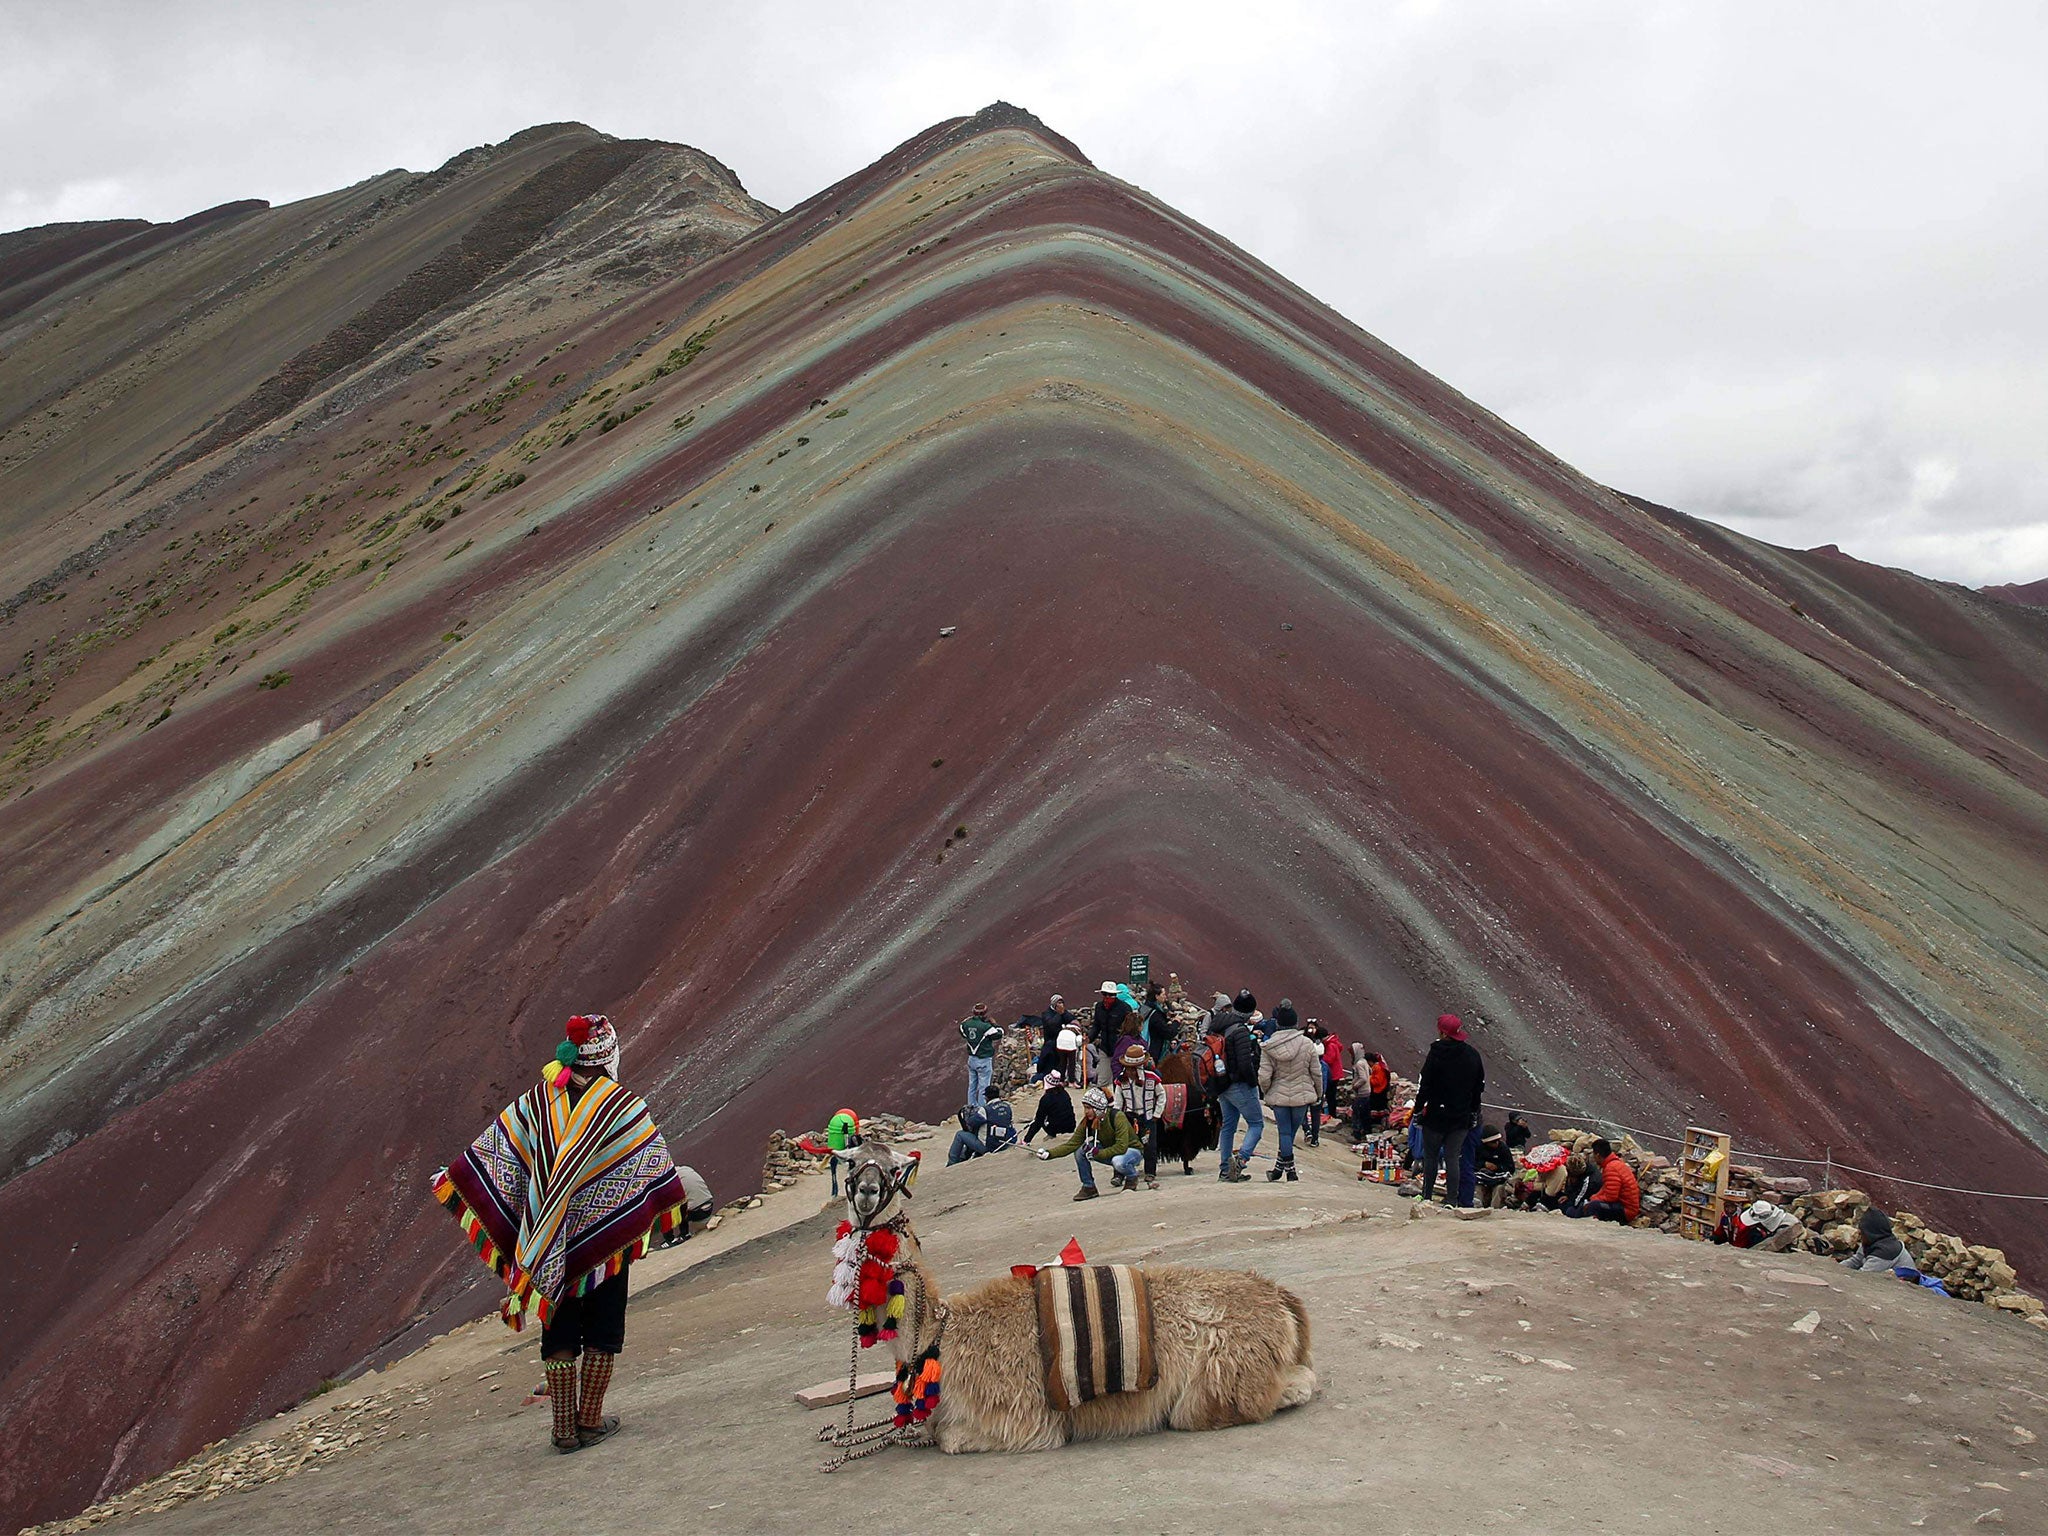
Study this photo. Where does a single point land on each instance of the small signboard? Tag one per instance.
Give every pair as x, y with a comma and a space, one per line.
1141, 972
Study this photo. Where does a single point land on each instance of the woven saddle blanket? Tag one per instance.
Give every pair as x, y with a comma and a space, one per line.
1094, 1332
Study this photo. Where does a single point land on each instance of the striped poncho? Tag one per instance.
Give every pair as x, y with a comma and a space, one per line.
558, 1195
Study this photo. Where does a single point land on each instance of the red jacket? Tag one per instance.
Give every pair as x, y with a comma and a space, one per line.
1333, 1057
1618, 1186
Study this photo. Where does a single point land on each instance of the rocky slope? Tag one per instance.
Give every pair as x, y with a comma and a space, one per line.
577, 643
1505, 1372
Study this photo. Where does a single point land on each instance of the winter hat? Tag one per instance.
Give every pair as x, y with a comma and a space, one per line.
1220, 1001
1052, 1080
1450, 1026
1245, 1001
1873, 1225
592, 1046
1489, 1133
1095, 1099
1284, 1016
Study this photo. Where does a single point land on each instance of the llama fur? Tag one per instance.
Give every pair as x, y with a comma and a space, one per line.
1232, 1348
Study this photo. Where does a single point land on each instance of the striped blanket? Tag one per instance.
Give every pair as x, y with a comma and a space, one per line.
1094, 1332
559, 1195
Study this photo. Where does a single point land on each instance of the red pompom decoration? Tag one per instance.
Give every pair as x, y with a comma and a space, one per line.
579, 1030
843, 1229
873, 1293
882, 1245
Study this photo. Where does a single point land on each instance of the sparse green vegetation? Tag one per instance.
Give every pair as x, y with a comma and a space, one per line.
507, 482
274, 679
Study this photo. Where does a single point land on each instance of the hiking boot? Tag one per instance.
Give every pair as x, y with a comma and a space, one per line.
1292, 1176
1223, 1170
1086, 1192
1236, 1171
1116, 1181
1273, 1173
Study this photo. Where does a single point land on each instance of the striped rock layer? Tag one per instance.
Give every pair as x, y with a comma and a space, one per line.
1270, 656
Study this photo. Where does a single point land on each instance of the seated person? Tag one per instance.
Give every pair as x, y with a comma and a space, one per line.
1765, 1227
1516, 1132
1055, 1109
1619, 1197
1496, 1169
1105, 1135
1880, 1247
967, 1141
1001, 1130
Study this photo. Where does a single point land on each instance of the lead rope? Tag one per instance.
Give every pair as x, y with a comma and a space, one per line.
866, 1439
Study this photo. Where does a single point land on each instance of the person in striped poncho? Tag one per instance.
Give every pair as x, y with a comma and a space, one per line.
563, 1190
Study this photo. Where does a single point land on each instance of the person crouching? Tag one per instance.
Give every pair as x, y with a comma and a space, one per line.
1619, 1197
1105, 1135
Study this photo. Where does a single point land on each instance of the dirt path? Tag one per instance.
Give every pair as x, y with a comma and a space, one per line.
1507, 1372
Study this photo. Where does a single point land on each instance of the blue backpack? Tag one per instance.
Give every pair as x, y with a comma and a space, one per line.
1002, 1126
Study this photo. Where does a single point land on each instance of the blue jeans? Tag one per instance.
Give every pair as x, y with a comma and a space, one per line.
965, 1145
1290, 1120
1125, 1163
1240, 1101
1468, 1171
979, 1070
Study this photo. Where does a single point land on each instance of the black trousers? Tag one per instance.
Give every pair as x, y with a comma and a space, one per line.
594, 1321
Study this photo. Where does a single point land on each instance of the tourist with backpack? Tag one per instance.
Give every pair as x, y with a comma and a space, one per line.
1447, 1106
1052, 1024
1105, 1135
1291, 1083
1235, 1085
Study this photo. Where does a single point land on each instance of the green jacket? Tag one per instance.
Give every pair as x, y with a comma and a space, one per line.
1114, 1135
982, 1036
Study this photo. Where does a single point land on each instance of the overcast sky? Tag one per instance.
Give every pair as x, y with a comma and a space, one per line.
1779, 265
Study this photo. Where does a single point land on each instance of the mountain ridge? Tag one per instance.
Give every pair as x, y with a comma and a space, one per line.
589, 653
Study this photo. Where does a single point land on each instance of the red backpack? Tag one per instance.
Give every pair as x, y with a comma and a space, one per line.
1209, 1070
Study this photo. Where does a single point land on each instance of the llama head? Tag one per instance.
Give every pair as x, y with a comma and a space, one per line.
878, 1188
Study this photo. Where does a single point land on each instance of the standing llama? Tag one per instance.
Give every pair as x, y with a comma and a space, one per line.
982, 1371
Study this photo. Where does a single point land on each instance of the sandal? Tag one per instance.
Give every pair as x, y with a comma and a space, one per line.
590, 1434
573, 1443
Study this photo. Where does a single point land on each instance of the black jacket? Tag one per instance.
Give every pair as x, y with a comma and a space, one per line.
1052, 1021
1055, 1114
1453, 1082
1108, 1024
1159, 1031
1240, 1051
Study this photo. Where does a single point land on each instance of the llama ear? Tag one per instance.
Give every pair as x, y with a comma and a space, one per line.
906, 1176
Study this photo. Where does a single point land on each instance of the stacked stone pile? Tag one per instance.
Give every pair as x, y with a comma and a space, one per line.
787, 1160
1970, 1271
